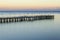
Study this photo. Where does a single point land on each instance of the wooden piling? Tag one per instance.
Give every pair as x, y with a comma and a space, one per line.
25, 18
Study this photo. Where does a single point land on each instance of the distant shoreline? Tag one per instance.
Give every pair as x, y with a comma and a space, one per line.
29, 11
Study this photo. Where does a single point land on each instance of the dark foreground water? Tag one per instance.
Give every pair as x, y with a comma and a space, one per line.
31, 30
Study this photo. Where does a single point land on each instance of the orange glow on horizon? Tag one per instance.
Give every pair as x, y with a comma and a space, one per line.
29, 4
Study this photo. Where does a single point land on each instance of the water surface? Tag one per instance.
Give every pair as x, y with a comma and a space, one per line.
31, 30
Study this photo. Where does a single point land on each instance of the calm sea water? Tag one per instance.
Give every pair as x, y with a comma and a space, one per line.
31, 30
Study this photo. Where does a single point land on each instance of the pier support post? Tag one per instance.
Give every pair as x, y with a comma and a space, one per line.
25, 18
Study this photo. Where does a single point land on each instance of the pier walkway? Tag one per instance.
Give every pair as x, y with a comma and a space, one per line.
23, 17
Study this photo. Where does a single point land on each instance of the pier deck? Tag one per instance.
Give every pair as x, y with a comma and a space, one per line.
23, 17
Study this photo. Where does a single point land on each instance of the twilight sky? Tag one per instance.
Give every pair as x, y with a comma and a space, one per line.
29, 4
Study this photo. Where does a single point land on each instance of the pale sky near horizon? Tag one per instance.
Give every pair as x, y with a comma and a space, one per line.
26, 4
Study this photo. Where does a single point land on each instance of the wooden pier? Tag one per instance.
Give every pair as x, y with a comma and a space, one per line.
23, 17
